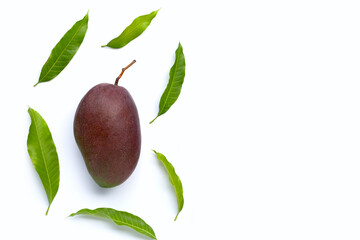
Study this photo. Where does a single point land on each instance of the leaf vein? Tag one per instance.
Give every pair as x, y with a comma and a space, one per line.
44, 159
61, 53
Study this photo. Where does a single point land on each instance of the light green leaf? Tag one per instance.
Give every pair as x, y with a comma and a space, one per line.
174, 180
135, 29
64, 51
176, 79
42, 152
120, 218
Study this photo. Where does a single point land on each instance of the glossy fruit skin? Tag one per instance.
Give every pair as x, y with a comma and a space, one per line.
107, 132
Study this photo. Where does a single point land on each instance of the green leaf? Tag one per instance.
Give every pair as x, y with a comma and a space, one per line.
135, 29
64, 51
120, 218
174, 180
176, 79
42, 152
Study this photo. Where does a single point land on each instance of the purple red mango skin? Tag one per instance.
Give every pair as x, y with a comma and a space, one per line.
107, 132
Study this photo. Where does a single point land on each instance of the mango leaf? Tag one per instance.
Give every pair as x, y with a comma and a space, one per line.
64, 51
120, 218
176, 79
135, 29
174, 180
42, 152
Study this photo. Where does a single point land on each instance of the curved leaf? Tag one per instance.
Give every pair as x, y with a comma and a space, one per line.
135, 29
42, 152
174, 180
120, 218
64, 51
176, 79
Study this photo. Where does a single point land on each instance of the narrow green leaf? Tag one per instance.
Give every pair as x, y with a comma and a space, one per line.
120, 218
174, 180
64, 50
176, 79
42, 152
135, 29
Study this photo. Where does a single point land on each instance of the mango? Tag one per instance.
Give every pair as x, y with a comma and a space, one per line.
107, 132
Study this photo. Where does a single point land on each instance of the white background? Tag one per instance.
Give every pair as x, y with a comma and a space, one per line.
265, 135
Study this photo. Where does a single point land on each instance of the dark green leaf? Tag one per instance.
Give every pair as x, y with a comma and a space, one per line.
174, 180
176, 79
64, 51
135, 29
42, 152
120, 218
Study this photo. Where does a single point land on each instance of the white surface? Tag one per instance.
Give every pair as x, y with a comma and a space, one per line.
265, 135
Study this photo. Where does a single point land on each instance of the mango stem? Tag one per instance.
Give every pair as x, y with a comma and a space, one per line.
122, 72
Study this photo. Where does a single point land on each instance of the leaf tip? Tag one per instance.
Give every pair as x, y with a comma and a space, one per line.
86, 15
